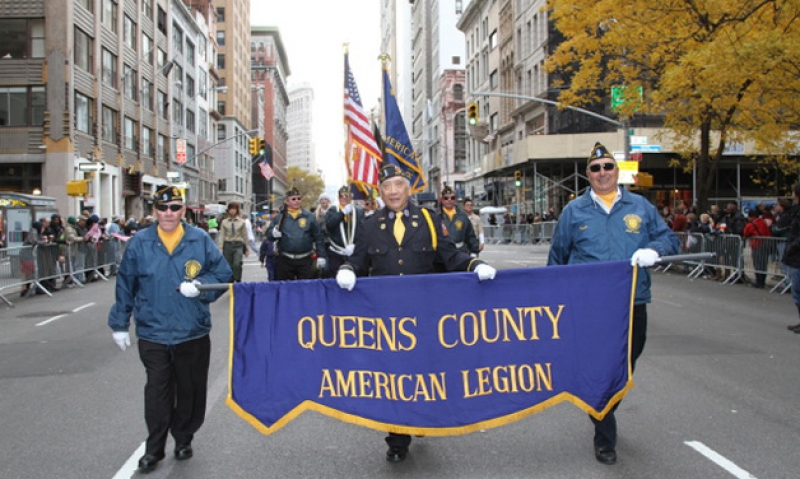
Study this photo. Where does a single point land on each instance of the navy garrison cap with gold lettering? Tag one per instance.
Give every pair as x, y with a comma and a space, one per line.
447, 190
293, 191
599, 151
390, 170
168, 193
344, 191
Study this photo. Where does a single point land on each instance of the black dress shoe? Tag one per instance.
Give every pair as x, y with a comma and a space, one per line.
606, 455
148, 462
396, 454
183, 452
793, 327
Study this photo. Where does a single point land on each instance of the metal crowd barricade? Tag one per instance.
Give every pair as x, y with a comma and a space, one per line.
89, 260
762, 256
17, 269
729, 255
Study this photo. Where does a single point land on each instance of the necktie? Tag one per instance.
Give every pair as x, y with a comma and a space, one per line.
233, 227
399, 228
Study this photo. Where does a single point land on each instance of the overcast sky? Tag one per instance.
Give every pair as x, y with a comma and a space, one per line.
313, 34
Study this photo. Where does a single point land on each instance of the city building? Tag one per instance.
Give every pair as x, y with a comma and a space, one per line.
269, 68
89, 94
300, 122
232, 158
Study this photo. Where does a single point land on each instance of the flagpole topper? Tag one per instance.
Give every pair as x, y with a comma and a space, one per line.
384, 58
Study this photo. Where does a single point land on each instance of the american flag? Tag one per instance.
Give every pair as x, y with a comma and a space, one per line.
362, 149
266, 170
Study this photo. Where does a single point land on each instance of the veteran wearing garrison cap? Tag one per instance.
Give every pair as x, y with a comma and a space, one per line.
399, 239
608, 223
342, 221
157, 284
457, 224
297, 236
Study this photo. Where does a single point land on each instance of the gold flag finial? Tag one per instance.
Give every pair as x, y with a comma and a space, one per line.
384, 58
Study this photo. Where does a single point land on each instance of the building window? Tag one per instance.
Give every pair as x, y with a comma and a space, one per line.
456, 60
177, 37
129, 84
147, 49
109, 74
84, 46
161, 59
109, 15
190, 52
162, 20
178, 76
202, 124
83, 113
202, 84
220, 61
147, 8
22, 38
221, 107
220, 14
458, 92
190, 154
221, 38
147, 138
109, 128
147, 95
87, 4
162, 104
190, 86
493, 79
221, 132
129, 32
130, 133
161, 148
177, 112
493, 40
459, 7
190, 120
22, 106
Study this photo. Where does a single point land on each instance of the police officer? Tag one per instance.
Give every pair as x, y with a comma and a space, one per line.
342, 221
297, 234
457, 224
608, 223
402, 239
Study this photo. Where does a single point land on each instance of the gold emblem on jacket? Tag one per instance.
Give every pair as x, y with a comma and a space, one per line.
193, 268
633, 223
459, 225
302, 222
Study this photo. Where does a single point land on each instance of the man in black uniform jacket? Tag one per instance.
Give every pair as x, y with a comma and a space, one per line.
402, 239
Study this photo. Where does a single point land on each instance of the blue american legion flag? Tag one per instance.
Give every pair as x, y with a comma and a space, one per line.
397, 146
362, 153
437, 355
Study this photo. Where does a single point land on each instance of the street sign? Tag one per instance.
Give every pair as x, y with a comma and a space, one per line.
173, 174
646, 148
180, 150
91, 166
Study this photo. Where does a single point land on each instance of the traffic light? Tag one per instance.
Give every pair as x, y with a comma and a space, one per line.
261, 146
472, 113
518, 179
253, 146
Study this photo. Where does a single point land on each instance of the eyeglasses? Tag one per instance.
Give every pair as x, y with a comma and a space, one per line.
606, 166
163, 207
448, 197
294, 198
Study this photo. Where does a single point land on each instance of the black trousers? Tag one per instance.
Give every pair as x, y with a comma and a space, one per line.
175, 393
334, 262
605, 431
291, 269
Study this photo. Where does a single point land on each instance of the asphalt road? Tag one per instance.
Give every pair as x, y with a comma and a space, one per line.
716, 397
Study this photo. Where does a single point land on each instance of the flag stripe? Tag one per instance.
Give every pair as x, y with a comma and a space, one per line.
363, 152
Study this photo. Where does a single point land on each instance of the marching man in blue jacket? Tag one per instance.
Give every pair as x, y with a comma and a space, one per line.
609, 223
157, 283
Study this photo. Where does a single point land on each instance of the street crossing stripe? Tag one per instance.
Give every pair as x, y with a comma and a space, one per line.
721, 461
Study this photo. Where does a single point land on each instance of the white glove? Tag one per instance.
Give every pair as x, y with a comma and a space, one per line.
348, 250
644, 257
346, 279
321, 262
484, 272
348, 208
122, 338
276, 233
190, 289
473, 255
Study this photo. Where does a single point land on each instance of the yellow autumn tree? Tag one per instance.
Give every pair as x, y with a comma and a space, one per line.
717, 71
310, 186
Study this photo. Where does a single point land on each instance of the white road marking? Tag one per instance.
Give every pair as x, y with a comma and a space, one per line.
215, 392
54, 318
720, 460
669, 303
131, 465
79, 308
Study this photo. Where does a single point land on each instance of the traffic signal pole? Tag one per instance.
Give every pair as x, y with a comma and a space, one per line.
619, 124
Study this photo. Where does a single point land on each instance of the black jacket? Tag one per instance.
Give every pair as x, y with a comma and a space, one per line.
791, 257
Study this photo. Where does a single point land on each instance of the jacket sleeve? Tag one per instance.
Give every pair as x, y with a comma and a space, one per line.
562, 240
127, 286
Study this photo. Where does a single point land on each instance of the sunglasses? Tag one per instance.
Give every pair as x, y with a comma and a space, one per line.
448, 197
606, 166
175, 208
